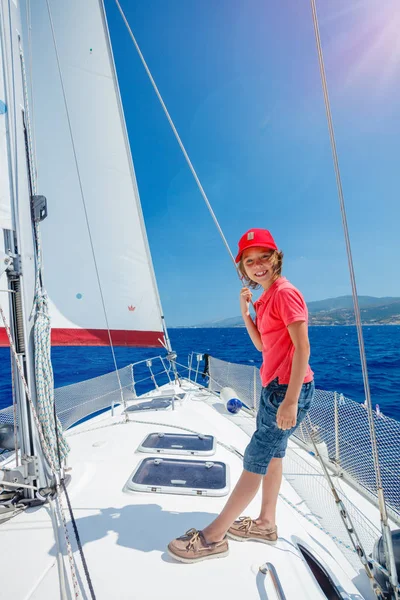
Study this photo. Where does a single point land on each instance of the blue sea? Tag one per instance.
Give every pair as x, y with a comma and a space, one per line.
335, 360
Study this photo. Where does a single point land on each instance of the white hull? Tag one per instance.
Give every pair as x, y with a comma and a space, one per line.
104, 281
125, 534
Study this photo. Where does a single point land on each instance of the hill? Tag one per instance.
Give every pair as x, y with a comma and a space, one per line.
338, 311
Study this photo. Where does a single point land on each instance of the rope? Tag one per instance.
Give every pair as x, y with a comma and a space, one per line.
345, 516
42, 328
71, 559
176, 134
45, 381
382, 504
348, 246
46, 451
76, 532
60, 561
78, 540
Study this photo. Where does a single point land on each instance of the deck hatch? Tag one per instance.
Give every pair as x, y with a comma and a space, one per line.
156, 404
179, 476
178, 443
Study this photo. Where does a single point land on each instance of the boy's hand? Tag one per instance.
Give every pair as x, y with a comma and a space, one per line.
245, 299
286, 417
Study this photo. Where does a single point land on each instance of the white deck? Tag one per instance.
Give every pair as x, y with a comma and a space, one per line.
125, 534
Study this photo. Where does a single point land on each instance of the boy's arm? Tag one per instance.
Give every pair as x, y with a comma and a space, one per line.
287, 413
252, 331
245, 299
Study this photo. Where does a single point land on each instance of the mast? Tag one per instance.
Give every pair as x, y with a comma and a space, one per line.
19, 243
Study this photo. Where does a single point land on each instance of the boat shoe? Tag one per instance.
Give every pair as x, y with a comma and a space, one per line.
246, 528
192, 547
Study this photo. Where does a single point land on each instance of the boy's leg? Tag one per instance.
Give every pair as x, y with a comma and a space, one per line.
244, 492
271, 484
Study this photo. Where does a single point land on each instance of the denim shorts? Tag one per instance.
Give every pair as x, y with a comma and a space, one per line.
268, 441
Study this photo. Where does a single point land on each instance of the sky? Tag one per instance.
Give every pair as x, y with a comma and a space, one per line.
241, 81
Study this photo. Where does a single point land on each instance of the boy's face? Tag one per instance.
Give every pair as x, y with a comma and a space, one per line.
257, 264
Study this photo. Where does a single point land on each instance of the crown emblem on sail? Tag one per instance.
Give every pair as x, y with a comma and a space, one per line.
131, 308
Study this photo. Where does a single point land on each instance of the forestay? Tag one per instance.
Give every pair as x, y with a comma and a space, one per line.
98, 268
5, 199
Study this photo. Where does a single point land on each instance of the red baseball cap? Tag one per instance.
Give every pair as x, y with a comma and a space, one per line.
254, 238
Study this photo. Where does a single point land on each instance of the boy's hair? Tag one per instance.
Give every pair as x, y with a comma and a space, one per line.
276, 259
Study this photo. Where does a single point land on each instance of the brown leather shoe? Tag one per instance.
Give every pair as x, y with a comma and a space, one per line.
246, 529
192, 547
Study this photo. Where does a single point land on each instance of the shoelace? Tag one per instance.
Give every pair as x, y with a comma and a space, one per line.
245, 523
195, 536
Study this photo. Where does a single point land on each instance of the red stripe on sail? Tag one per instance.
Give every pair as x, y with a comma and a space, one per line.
98, 337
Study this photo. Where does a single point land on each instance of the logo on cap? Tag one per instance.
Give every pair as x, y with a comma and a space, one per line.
250, 235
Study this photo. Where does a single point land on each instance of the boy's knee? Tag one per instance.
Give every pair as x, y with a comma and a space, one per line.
275, 463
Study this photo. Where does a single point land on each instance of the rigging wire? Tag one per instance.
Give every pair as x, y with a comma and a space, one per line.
32, 99
177, 136
345, 516
386, 534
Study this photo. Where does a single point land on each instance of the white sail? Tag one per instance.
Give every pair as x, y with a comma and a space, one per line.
93, 202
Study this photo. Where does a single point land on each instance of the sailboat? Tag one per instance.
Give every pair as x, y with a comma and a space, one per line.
87, 512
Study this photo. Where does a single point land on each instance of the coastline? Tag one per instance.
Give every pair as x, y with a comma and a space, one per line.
310, 325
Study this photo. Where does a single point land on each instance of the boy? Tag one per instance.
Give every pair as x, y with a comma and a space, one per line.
280, 332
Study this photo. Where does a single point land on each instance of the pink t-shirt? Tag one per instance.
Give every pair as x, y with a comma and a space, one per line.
278, 307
